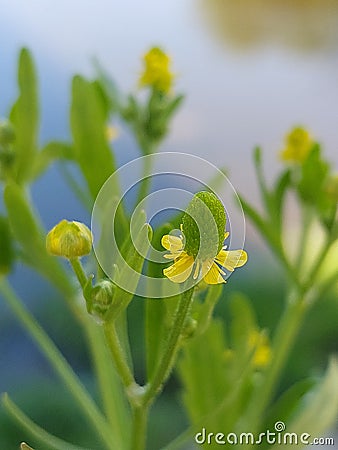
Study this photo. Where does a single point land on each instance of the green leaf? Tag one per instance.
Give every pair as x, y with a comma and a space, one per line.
173, 106
262, 226
25, 118
319, 410
287, 404
243, 324
109, 87
279, 192
51, 152
88, 124
46, 439
314, 172
30, 235
59, 364
203, 372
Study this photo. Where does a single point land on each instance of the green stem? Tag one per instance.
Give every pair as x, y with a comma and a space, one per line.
59, 364
42, 436
79, 272
284, 339
119, 359
306, 226
139, 428
311, 278
111, 392
163, 369
145, 182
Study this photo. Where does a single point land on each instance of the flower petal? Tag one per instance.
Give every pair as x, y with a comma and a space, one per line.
214, 275
231, 259
172, 243
181, 269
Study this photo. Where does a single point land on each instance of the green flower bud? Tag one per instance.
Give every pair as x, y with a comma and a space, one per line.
101, 297
7, 133
69, 239
6, 247
190, 327
203, 225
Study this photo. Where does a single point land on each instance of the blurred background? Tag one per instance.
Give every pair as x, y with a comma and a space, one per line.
250, 70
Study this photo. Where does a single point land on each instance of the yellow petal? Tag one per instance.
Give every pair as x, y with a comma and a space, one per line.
172, 255
232, 259
172, 243
214, 275
181, 269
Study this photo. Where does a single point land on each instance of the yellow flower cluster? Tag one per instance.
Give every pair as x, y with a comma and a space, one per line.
298, 144
157, 72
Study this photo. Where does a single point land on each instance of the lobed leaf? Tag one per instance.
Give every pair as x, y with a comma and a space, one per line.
88, 124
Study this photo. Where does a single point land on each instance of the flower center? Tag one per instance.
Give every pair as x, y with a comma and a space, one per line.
204, 226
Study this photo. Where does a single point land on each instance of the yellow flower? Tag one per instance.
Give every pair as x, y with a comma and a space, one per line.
200, 251
211, 270
112, 133
259, 344
69, 239
298, 144
157, 72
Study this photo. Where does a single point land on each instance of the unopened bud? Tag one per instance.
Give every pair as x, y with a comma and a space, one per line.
69, 239
190, 328
101, 297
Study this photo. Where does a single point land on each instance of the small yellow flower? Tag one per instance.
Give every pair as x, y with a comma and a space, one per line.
259, 344
112, 133
298, 144
195, 256
157, 72
69, 239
